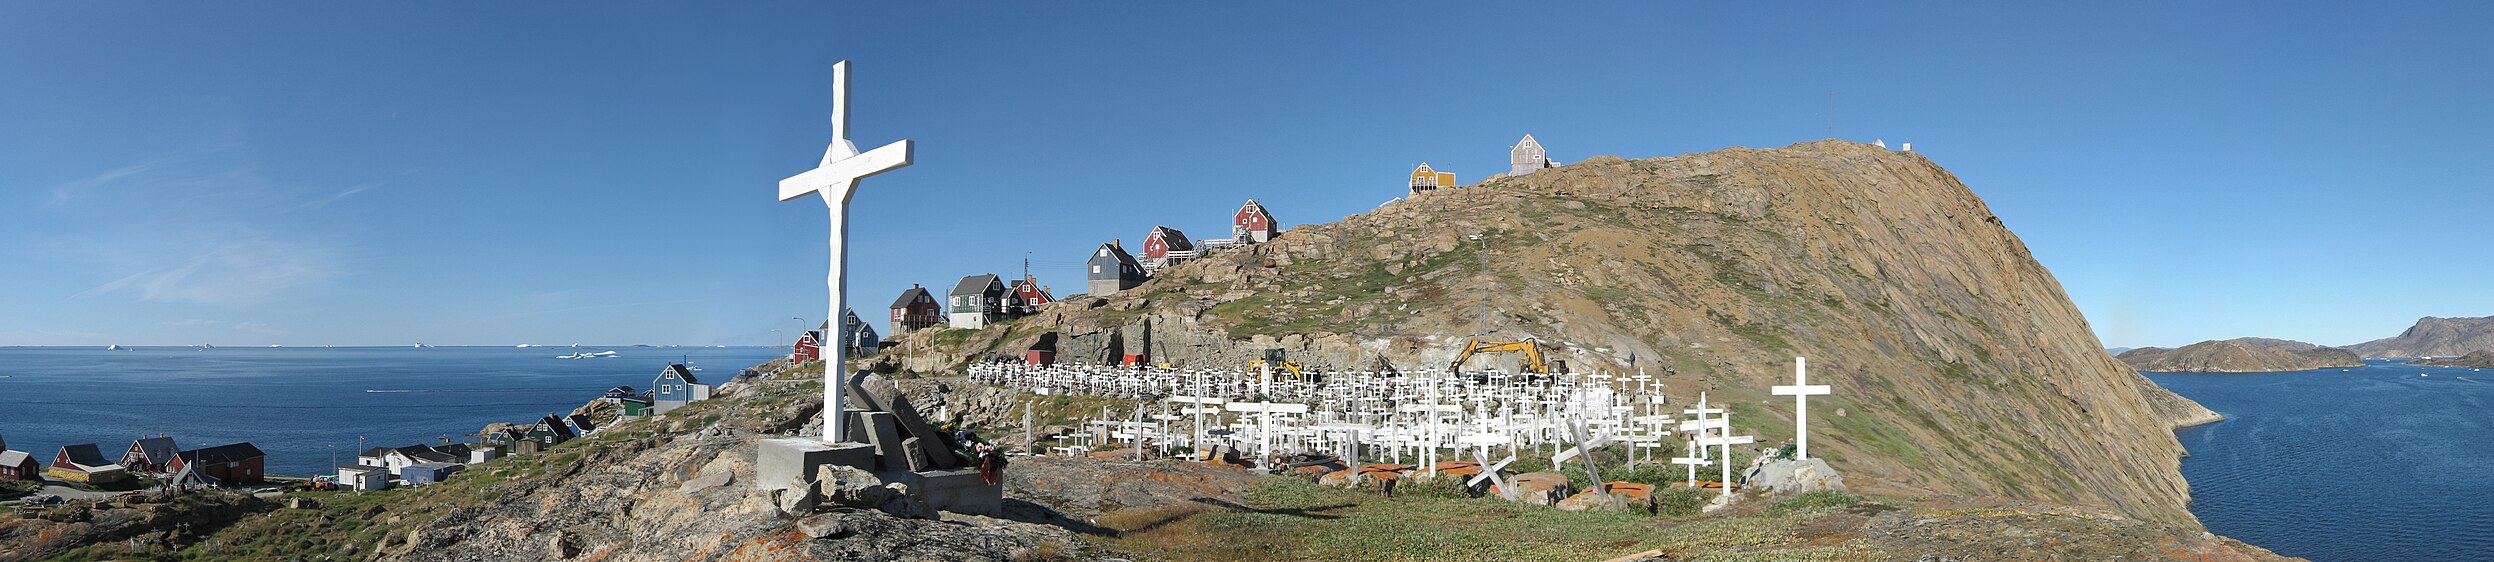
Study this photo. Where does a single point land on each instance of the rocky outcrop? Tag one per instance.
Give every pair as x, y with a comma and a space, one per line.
2434, 337
1961, 365
2237, 356
2474, 359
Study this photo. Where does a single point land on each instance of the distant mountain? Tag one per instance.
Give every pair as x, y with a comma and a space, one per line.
2117, 350
2434, 337
2238, 356
2474, 359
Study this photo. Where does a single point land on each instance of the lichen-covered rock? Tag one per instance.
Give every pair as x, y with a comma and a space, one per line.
1794, 477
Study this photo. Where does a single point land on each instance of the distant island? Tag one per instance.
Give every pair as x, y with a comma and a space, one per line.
2240, 355
2434, 337
2474, 359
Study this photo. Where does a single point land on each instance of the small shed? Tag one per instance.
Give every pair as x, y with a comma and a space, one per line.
363, 478
636, 407
1043, 352
426, 473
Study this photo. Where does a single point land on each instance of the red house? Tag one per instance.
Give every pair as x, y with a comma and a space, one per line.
149, 454
1027, 296
809, 347
1254, 223
1165, 247
17, 465
915, 310
239, 463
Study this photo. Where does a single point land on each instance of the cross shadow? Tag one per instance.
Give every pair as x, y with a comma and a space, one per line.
1029, 512
1310, 513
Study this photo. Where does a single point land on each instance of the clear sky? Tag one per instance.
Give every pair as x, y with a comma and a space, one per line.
487, 173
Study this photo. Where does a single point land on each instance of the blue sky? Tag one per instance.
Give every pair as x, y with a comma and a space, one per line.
317, 173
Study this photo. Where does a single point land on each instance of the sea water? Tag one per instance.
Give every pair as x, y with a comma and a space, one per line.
302, 405
2369, 463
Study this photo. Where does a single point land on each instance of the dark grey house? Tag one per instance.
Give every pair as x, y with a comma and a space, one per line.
977, 301
1113, 270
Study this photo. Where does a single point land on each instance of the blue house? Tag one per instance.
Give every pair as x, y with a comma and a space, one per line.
676, 387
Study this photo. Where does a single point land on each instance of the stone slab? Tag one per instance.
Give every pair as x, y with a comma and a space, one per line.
884, 432
780, 464
886, 396
957, 491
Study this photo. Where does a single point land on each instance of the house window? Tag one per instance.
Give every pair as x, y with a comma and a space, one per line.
1095, 269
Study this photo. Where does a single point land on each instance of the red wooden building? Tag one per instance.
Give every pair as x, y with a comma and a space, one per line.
915, 310
149, 454
1253, 223
1027, 296
1165, 247
239, 463
17, 465
809, 347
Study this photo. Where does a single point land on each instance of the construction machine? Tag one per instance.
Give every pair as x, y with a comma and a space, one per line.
1273, 357
1531, 348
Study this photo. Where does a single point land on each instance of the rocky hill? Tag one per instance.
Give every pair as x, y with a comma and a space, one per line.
1960, 366
2474, 359
2238, 356
2434, 337
2289, 345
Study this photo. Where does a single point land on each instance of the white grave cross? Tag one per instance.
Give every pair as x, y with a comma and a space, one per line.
1801, 390
836, 180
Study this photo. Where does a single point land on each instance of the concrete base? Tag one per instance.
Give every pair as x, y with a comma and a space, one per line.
957, 491
788, 463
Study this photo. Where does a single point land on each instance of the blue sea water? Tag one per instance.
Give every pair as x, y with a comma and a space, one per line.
2370, 463
302, 404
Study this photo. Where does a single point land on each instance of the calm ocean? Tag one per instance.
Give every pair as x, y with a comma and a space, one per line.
2371, 463
300, 404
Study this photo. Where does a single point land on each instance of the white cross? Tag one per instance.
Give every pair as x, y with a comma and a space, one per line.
836, 180
1801, 390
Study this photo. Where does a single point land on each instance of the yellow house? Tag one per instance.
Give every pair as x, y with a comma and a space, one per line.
1426, 179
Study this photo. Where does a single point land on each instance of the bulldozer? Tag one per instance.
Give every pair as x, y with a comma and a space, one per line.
1531, 348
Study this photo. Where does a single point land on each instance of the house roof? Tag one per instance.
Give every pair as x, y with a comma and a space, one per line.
460, 450
156, 449
223, 453
15, 458
1174, 238
85, 454
422, 453
360, 468
555, 424
976, 284
376, 452
909, 296
680, 372
1117, 253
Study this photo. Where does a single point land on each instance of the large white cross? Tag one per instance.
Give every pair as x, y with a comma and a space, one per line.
836, 180
1801, 390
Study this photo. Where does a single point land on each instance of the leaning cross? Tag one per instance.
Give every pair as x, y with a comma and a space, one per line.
836, 180
1801, 390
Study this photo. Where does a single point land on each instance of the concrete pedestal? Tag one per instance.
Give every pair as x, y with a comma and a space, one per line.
788, 463
957, 491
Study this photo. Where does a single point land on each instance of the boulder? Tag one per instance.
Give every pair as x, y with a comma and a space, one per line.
821, 526
1795, 476
1538, 488
799, 500
1621, 495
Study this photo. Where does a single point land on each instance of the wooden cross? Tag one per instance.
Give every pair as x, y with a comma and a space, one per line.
836, 181
1801, 390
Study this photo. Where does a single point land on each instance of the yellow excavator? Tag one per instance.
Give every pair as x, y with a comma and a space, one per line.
1273, 357
1531, 348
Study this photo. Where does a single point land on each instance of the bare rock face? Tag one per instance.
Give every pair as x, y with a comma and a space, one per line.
2434, 337
1963, 366
2474, 359
2236, 356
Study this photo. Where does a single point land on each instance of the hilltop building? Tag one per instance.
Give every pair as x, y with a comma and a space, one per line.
1026, 297
915, 310
674, 388
1166, 247
1253, 224
18, 465
977, 301
1426, 179
809, 347
1528, 157
860, 337
1113, 270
